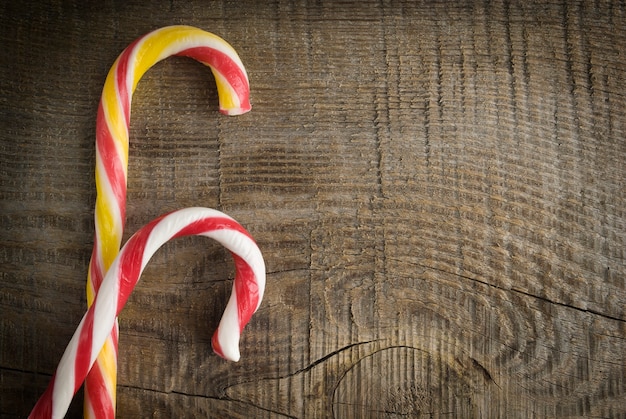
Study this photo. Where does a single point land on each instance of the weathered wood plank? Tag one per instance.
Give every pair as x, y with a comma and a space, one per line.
438, 190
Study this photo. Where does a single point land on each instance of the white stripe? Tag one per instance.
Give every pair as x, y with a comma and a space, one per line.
130, 70
228, 333
231, 91
63, 390
105, 310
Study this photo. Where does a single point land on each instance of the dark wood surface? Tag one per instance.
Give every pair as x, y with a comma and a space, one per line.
437, 188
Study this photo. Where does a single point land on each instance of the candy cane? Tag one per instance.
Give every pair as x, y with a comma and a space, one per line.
123, 275
112, 127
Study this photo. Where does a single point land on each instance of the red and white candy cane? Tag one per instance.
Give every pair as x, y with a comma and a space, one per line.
123, 275
112, 163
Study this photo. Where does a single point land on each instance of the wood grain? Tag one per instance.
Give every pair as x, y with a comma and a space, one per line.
437, 188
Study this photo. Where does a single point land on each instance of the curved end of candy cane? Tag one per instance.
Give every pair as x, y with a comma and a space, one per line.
229, 353
225, 340
233, 101
239, 110
246, 295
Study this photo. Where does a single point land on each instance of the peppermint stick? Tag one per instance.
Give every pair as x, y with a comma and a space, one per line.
112, 127
93, 330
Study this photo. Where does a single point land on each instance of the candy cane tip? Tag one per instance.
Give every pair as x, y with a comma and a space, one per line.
240, 110
229, 353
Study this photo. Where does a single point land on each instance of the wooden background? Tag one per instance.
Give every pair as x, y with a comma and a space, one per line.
437, 188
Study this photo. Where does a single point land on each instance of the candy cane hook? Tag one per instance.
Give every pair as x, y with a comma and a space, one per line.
112, 129
123, 275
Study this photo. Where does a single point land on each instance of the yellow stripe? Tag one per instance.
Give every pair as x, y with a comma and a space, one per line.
108, 364
91, 295
150, 51
119, 133
227, 98
110, 238
114, 115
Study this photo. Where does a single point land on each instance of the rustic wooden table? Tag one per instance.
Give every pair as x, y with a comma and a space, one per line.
437, 188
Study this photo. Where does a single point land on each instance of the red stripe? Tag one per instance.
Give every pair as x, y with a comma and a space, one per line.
98, 394
215, 343
113, 166
122, 90
121, 79
226, 67
207, 224
83, 351
247, 291
43, 408
115, 338
95, 272
130, 262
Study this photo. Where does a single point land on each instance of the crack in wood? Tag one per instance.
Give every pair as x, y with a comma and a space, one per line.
518, 291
